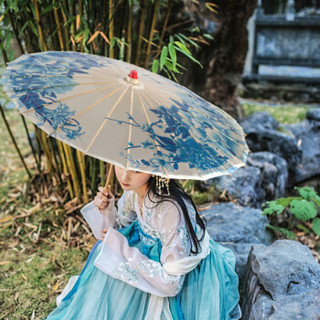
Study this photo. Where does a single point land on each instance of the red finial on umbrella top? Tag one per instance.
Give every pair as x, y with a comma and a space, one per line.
133, 77
133, 74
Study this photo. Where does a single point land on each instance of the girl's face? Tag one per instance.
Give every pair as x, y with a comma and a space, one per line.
132, 180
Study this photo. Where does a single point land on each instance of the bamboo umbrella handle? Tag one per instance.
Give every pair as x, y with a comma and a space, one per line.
109, 177
108, 180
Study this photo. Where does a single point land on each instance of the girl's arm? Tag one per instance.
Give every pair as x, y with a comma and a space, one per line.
99, 220
128, 264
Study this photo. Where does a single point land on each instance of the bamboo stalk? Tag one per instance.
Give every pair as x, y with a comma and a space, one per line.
4, 54
56, 17
129, 48
71, 165
65, 168
45, 147
80, 15
65, 27
53, 154
14, 141
93, 170
38, 139
83, 175
41, 36
165, 22
143, 8
102, 172
111, 22
154, 19
14, 27
31, 144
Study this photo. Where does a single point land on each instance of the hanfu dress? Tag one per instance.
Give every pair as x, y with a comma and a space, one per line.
144, 269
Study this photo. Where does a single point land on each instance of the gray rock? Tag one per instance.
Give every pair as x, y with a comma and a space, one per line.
274, 173
265, 178
259, 121
238, 228
307, 133
313, 114
228, 222
262, 136
244, 186
282, 282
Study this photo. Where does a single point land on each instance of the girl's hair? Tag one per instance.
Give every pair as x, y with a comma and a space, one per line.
179, 196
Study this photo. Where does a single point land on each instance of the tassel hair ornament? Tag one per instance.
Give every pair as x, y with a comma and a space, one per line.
161, 183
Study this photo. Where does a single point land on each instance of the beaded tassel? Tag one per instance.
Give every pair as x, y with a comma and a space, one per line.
161, 183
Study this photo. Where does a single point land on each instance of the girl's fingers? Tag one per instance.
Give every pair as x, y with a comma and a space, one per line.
105, 230
102, 196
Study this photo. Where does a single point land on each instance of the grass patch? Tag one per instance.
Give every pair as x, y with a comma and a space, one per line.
284, 114
31, 280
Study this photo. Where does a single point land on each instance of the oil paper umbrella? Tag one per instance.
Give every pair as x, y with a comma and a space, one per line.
125, 115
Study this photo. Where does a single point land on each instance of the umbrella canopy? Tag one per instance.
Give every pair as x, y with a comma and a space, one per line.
125, 115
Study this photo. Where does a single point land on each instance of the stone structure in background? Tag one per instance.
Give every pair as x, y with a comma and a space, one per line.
283, 60
282, 282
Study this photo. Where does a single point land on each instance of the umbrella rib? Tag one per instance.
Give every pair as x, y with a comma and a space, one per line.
66, 98
182, 148
232, 157
84, 111
60, 85
155, 141
105, 120
130, 126
55, 75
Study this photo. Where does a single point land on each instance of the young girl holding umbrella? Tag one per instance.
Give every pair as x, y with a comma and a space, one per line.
154, 259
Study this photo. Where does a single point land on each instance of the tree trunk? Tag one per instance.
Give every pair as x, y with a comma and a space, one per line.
224, 58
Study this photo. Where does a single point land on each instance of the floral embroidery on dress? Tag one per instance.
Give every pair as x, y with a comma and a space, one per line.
126, 273
154, 269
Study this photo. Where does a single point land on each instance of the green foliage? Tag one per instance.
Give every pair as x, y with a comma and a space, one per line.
283, 114
289, 234
304, 209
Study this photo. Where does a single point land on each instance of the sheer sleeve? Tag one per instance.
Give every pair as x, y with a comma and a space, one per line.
128, 264
99, 220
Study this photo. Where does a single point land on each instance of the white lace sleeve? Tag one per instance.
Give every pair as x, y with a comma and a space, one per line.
128, 264
98, 219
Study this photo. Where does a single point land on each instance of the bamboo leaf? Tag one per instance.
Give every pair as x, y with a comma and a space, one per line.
163, 56
211, 6
93, 37
190, 41
104, 37
208, 36
189, 56
173, 54
33, 27
182, 47
155, 66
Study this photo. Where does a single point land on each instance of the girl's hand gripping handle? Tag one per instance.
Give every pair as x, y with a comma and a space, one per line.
103, 197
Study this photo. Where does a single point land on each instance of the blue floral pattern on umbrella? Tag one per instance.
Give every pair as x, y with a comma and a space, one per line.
185, 132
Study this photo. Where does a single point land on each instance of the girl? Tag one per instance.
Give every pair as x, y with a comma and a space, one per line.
154, 259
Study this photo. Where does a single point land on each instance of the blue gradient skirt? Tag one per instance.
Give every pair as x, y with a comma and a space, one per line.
209, 292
